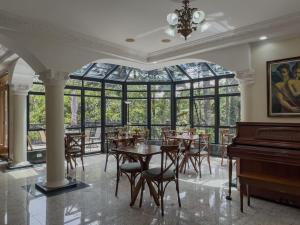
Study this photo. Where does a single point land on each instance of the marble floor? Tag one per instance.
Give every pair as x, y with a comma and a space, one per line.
203, 200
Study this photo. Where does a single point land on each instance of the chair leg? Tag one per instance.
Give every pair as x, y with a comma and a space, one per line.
142, 191
222, 157
208, 160
82, 162
162, 198
177, 189
106, 160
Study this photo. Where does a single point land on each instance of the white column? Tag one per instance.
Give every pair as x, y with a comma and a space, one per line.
19, 150
246, 78
54, 92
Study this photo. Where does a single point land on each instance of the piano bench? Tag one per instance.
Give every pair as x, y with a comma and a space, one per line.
266, 182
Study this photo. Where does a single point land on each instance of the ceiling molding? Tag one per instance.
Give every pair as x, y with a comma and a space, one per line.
281, 26
40, 29
278, 27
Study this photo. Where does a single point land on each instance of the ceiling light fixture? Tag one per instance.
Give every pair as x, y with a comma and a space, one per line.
185, 20
262, 38
130, 40
165, 40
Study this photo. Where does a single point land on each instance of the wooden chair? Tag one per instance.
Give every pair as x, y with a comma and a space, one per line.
131, 169
74, 148
192, 131
226, 139
164, 175
201, 150
109, 144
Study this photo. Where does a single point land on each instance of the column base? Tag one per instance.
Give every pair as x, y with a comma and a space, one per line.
46, 189
22, 165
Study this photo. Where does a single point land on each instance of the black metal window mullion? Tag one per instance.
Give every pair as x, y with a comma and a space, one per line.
103, 116
217, 111
82, 108
125, 107
149, 109
191, 99
173, 106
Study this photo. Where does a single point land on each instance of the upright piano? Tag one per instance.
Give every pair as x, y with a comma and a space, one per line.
269, 161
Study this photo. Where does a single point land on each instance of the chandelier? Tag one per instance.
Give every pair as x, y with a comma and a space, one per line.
185, 20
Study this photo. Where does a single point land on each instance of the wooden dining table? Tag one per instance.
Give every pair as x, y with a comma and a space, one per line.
187, 140
143, 153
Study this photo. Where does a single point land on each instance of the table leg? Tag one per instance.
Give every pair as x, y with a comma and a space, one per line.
228, 197
136, 191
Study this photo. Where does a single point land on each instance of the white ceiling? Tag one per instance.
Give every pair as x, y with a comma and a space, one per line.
145, 20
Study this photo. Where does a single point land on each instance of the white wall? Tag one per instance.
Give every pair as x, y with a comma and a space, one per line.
260, 54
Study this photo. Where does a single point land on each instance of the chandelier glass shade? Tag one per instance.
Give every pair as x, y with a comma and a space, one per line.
185, 20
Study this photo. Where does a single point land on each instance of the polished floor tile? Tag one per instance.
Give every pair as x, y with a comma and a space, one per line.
203, 200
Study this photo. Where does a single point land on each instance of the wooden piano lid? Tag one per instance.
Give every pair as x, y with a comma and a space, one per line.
281, 135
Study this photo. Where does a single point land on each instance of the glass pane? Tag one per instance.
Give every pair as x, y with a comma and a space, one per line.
197, 70
113, 90
160, 87
158, 75
113, 86
92, 84
136, 87
183, 112
161, 94
228, 81
229, 110
183, 90
160, 111
177, 74
92, 111
138, 111
138, 75
69, 91
74, 82
119, 74
204, 88
204, 112
113, 111
228, 85
204, 84
92, 93
136, 94
111, 93
219, 70
229, 90
100, 70
81, 71
37, 112
72, 105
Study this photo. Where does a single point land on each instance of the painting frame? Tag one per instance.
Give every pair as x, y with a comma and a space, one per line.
283, 87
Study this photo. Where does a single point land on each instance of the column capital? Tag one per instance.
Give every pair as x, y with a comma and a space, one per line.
20, 89
246, 77
53, 77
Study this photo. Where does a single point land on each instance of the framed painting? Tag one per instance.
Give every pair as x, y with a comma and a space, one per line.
283, 86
